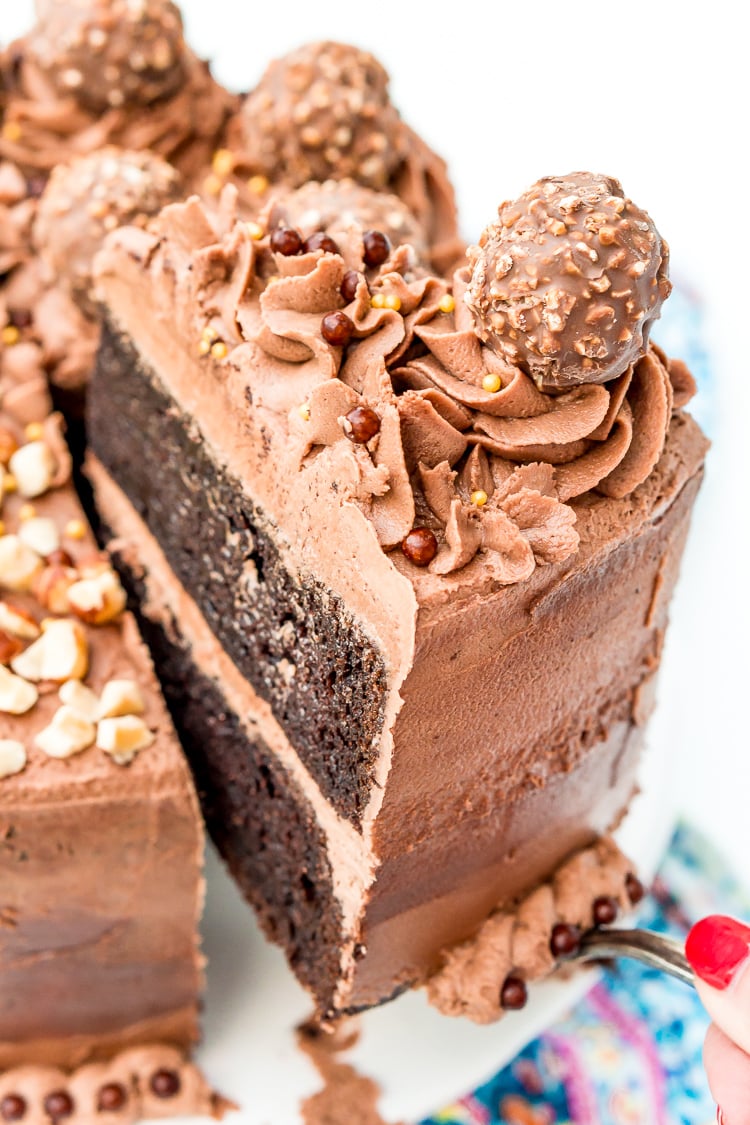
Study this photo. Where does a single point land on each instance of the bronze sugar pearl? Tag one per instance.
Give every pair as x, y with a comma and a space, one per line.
165, 1083
320, 241
13, 1108
337, 328
635, 888
349, 284
364, 422
58, 1105
286, 241
376, 246
420, 546
112, 1097
513, 994
604, 910
565, 940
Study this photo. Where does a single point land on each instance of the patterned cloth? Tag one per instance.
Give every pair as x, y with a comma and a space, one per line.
630, 1052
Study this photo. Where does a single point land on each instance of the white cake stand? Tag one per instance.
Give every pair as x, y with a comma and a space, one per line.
421, 1060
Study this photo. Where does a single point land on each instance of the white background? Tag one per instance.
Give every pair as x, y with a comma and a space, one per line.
655, 94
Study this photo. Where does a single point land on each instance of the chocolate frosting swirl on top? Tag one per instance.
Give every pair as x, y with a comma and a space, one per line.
568, 281
460, 441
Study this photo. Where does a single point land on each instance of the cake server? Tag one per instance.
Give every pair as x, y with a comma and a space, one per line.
655, 950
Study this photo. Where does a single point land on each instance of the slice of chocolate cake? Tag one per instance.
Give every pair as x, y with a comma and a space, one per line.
101, 842
404, 551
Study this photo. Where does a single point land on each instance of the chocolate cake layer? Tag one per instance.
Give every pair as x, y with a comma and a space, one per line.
267, 619
257, 815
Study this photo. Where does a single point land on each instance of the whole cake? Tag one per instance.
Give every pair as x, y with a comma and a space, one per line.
403, 548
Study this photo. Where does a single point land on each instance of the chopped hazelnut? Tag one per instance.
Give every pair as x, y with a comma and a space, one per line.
68, 733
61, 653
123, 736
40, 534
19, 564
18, 622
97, 600
12, 757
51, 587
120, 697
33, 466
80, 699
17, 696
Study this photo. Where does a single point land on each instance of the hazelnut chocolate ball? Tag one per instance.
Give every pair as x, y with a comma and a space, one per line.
340, 205
110, 53
91, 196
323, 112
566, 284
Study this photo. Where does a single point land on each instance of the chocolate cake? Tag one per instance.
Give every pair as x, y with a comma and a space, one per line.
101, 842
403, 549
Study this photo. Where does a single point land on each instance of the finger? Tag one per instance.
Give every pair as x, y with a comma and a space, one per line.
728, 1070
718, 949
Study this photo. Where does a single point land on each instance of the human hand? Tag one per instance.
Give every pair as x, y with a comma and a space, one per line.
718, 949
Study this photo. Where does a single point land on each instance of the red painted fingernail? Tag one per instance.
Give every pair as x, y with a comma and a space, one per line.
716, 948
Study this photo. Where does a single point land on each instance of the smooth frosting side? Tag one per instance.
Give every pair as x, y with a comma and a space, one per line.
516, 943
153, 1081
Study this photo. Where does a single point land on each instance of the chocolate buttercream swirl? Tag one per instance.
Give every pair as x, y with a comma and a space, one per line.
436, 428
44, 127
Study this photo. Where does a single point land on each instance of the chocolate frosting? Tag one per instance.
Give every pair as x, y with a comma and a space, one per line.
44, 127
567, 282
489, 470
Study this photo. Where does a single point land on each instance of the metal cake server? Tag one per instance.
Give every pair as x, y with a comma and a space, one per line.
654, 950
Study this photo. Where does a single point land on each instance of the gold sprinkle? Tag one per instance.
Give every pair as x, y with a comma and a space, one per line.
34, 431
10, 335
12, 131
258, 184
447, 303
209, 333
10, 484
392, 301
219, 350
378, 300
255, 230
27, 512
479, 498
204, 347
223, 162
492, 384
212, 185
304, 412
75, 529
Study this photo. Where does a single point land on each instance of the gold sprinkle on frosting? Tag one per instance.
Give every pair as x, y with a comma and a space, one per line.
392, 301
258, 184
34, 431
10, 335
75, 529
447, 303
479, 498
219, 350
378, 300
492, 384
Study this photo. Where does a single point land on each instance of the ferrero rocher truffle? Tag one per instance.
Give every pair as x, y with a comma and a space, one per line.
339, 205
91, 196
323, 112
110, 53
566, 284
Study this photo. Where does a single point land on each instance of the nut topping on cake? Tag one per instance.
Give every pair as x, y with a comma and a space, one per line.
568, 281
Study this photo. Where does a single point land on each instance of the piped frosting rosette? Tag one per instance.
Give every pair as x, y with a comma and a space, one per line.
454, 453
